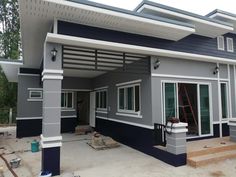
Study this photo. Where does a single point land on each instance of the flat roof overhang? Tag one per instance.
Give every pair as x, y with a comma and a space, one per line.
204, 26
224, 16
37, 17
113, 46
10, 68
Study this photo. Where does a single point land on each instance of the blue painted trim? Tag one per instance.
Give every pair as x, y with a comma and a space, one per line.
51, 160
94, 4
181, 12
193, 44
144, 142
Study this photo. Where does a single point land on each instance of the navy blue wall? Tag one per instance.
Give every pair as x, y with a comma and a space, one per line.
192, 44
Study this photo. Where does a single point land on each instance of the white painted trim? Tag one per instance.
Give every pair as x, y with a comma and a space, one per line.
35, 89
180, 15
35, 100
24, 74
36, 118
229, 90
92, 43
52, 71
77, 90
101, 88
55, 26
122, 15
129, 83
102, 112
50, 145
219, 101
182, 130
54, 138
72, 116
52, 77
228, 42
28, 118
183, 77
221, 38
125, 122
67, 110
222, 15
129, 115
177, 125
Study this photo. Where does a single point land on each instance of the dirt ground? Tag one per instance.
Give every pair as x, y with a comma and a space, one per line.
79, 159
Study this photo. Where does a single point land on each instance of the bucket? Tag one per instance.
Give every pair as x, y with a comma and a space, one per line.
34, 146
45, 174
15, 163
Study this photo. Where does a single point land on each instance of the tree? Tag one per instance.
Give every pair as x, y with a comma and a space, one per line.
9, 48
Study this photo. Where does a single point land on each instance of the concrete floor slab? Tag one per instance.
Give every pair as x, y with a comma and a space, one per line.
81, 160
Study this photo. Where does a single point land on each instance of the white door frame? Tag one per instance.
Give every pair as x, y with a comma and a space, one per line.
92, 109
198, 100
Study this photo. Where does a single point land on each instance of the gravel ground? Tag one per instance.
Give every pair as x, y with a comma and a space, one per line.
81, 160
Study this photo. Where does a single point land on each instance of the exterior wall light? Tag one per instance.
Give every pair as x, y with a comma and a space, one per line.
156, 64
54, 54
216, 70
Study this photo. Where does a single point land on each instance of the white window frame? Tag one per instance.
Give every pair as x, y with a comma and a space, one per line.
66, 100
31, 98
125, 98
99, 97
219, 39
230, 41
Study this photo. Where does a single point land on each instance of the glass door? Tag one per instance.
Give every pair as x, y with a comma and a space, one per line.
204, 109
170, 100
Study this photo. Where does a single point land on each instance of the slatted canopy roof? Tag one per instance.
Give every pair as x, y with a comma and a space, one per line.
37, 17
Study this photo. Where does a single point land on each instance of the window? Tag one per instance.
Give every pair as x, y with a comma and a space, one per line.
35, 94
129, 99
67, 100
220, 43
224, 100
230, 44
101, 99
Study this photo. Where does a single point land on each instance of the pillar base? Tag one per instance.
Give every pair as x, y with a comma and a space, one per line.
51, 160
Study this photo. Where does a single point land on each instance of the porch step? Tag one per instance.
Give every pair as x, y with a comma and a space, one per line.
202, 160
211, 150
211, 155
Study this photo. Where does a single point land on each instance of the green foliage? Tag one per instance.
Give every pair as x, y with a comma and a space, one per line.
9, 48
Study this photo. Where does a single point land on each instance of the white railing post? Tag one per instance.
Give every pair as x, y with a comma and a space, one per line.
10, 116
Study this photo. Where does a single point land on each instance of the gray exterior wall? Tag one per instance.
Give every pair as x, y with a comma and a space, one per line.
28, 108
179, 70
31, 109
110, 80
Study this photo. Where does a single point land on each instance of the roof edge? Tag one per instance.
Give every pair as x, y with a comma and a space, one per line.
147, 2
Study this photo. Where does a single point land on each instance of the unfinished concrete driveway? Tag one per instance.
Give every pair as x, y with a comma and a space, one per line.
79, 158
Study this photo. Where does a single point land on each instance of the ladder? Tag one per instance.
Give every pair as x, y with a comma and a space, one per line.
183, 91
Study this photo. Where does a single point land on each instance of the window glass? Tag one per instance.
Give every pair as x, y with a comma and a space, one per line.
35, 94
230, 45
220, 43
137, 102
129, 98
170, 100
224, 105
101, 99
205, 109
69, 100
121, 98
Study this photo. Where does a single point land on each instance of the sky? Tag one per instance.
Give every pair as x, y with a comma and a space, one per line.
201, 7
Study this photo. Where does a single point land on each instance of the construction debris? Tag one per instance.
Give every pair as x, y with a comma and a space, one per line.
100, 142
83, 129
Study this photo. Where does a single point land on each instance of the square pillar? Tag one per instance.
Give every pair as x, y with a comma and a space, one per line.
176, 138
232, 129
51, 134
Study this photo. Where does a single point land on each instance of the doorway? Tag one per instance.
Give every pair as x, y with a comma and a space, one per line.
190, 102
82, 108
